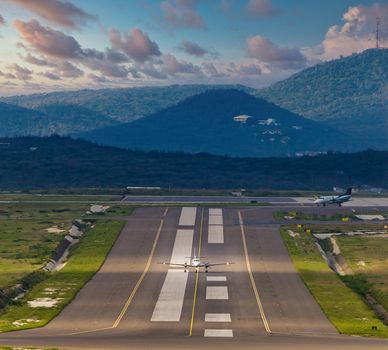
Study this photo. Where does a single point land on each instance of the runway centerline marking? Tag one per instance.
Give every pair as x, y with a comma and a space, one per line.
135, 289
217, 293
215, 278
224, 333
217, 317
256, 292
196, 278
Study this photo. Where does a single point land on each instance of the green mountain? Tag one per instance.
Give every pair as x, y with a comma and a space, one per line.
205, 123
50, 119
60, 162
350, 94
123, 105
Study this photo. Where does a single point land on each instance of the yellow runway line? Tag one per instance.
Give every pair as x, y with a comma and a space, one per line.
196, 278
258, 301
135, 289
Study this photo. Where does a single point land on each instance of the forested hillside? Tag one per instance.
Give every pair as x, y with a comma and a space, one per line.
57, 162
350, 93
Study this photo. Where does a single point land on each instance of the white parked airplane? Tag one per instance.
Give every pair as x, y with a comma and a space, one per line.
195, 262
323, 200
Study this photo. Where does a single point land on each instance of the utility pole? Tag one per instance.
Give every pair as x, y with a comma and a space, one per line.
377, 32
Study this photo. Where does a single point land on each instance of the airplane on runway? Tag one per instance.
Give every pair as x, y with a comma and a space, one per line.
344, 197
195, 262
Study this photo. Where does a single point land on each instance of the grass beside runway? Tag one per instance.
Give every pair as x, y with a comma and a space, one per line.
342, 306
26, 240
368, 258
85, 260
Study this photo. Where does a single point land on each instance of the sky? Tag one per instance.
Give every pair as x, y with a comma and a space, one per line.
52, 45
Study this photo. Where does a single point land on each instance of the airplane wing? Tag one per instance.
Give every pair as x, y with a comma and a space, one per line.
173, 264
218, 264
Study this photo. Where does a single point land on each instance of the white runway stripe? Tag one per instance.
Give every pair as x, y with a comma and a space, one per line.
215, 220
217, 293
215, 234
225, 333
168, 308
215, 211
182, 246
216, 278
187, 217
217, 318
170, 302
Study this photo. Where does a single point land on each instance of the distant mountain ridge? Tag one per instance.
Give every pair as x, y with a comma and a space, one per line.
72, 163
121, 104
350, 94
51, 119
205, 123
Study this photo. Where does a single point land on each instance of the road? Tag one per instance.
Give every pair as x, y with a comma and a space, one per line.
135, 302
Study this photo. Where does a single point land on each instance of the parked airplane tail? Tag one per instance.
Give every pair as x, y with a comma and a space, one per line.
349, 191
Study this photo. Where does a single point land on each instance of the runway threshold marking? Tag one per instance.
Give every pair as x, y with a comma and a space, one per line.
257, 295
131, 296
196, 278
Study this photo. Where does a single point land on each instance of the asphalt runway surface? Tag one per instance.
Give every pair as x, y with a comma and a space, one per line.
134, 302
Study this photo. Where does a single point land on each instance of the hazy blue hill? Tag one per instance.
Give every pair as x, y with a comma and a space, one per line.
123, 105
16, 120
204, 123
59, 162
66, 119
50, 119
350, 93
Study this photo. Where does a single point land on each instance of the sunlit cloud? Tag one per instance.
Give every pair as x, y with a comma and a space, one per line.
63, 13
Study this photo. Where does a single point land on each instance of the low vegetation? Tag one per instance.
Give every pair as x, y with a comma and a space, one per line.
368, 258
61, 287
342, 306
28, 234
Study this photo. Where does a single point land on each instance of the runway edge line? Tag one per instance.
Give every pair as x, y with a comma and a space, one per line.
258, 300
131, 296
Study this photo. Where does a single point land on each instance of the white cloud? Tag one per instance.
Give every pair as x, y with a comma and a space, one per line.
356, 34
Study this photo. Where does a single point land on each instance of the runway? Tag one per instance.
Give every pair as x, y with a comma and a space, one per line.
136, 302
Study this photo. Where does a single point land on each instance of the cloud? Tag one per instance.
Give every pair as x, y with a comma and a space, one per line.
62, 13
261, 9
107, 68
97, 78
37, 61
50, 75
150, 70
172, 66
69, 70
2, 20
137, 45
48, 41
181, 14
355, 35
211, 70
192, 49
7, 75
266, 51
21, 73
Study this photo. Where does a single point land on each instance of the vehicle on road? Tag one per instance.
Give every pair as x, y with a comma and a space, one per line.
344, 197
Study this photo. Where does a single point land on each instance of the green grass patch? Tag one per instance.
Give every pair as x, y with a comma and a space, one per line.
368, 258
85, 260
26, 240
342, 306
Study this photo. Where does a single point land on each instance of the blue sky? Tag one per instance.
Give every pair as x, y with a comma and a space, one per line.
57, 44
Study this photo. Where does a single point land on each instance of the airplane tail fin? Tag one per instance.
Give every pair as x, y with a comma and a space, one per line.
349, 191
